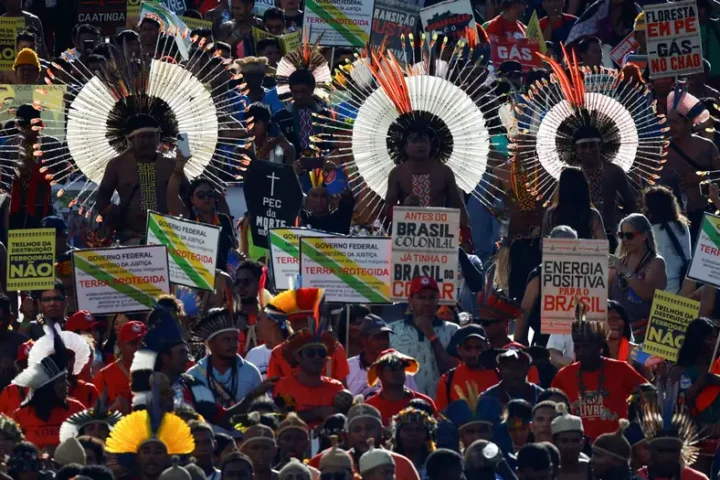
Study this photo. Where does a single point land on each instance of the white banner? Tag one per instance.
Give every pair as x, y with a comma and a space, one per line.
285, 253
674, 45
705, 265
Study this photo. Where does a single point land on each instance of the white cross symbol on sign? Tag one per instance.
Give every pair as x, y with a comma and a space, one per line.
272, 178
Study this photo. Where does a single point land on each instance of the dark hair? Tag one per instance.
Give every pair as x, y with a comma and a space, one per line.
25, 36
534, 457
96, 58
266, 42
44, 401
5, 304
617, 307
58, 285
26, 113
200, 426
544, 397
235, 457
273, 13
301, 77
544, 404
222, 440
420, 404
263, 405
97, 472
440, 460
583, 45
223, 46
95, 444
194, 185
127, 36
697, 332
150, 20
519, 408
553, 451
252, 266
661, 206
573, 206
192, 13
105, 50
86, 28
259, 112
68, 471
535, 75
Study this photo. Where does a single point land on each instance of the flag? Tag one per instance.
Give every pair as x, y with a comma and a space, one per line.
533, 32
588, 22
169, 24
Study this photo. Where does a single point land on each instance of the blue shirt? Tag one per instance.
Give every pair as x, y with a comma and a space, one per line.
248, 379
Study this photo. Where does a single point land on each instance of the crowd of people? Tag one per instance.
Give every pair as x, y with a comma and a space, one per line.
245, 381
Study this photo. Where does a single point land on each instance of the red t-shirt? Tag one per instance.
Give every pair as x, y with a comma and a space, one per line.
11, 398
302, 398
462, 375
389, 409
45, 434
404, 469
504, 30
279, 367
619, 382
686, 473
116, 377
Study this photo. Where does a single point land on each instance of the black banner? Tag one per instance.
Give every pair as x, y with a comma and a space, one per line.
108, 16
392, 18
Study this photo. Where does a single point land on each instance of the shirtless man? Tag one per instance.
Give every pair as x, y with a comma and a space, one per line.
688, 153
420, 179
140, 175
238, 31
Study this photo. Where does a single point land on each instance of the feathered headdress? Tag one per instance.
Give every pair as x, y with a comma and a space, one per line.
217, 321
98, 414
47, 369
45, 346
305, 57
687, 105
472, 408
415, 415
581, 105
132, 431
666, 420
584, 330
495, 305
392, 357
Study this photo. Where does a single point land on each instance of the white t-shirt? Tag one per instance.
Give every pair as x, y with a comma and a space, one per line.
260, 357
563, 343
358, 384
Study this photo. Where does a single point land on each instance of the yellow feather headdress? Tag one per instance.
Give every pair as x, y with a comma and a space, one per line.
133, 430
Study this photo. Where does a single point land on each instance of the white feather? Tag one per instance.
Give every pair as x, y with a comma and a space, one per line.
45, 346
143, 360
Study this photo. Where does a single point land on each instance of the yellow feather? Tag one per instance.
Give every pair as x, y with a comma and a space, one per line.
134, 429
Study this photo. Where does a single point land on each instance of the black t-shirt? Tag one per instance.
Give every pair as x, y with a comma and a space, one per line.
338, 221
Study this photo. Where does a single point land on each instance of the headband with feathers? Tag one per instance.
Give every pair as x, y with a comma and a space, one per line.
217, 321
584, 330
98, 414
45, 346
305, 57
47, 369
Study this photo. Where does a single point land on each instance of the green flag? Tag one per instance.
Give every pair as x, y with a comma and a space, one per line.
534, 32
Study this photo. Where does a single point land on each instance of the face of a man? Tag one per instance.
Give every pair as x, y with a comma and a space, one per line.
225, 344
514, 373
26, 75
293, 443
273, 54
97, 430
417, 147
149, 33
475, 431
680, 127
665, 457
312, 359
588, 152
52, 304
152, 458
237, 471
542, 418
593, 56
302, 95
261, 453
246, 285
424, 303
570, 445
318, 201
204, 446
360, 431
274, 26
145, 144
241, 10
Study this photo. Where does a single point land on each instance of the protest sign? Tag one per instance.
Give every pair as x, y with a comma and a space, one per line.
705, 264
9, 28
669, 317
288, 42
273, 197
168, 21
425, 243
628, 44
133, 14
340, 23
50, 97
120, 279
196, 23
451, 17
192, 248
392, 18
285, 253
674, 46
518, 50
349, 269
31, 259
107, 15
571, 271
262, 5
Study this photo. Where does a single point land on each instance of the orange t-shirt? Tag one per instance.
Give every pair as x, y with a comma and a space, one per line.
686, 473
599, 414
302, 398
404, 469
45, 434
11, 398
390, 409
279, 367
461, 376
116, 377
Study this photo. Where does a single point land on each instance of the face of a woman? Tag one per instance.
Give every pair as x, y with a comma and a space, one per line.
413, 436
61, 387
203, 198
633, 241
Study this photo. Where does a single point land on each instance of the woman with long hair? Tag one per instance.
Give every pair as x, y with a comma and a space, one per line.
620, 344
572, 207
636, 271
671, 233
414, 436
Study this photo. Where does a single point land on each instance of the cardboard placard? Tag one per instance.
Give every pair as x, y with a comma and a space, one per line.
449, 18
393, 18
195, 23
628, 44
285, 253
120, 279
9, 28
425, 243
674, 45
31, 259
519, 50
705, 263
669, 317
341, 23
288, 42
50, 97
571, 271
192, 249
349, 269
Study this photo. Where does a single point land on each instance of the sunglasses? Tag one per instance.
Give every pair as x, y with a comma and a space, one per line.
627, 235
315, 352
202, 195
52, 299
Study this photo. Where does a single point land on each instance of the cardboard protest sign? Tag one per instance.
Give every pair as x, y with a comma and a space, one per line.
340, 23
273, 197
169, 20
705, 264
674, 46
31, 259
192, 248
451, 17
393, 18
50, 97
288, 42
9, 28
628, 44
120, 279
669, 318
349, 269
425, 243
133, 13
571, 271
107, 15
519, 50
285, 253
196, 23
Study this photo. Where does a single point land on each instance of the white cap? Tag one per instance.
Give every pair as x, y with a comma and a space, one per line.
565, 422
374, 457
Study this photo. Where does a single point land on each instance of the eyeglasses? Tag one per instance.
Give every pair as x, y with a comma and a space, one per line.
205, 194
626, 235
52, 299
315, 352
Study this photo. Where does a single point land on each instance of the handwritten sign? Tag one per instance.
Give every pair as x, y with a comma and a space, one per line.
674, 45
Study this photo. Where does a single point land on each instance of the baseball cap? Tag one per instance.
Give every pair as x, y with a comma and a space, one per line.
58, 223
423, 283
132, 331
372, 325
80, 322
